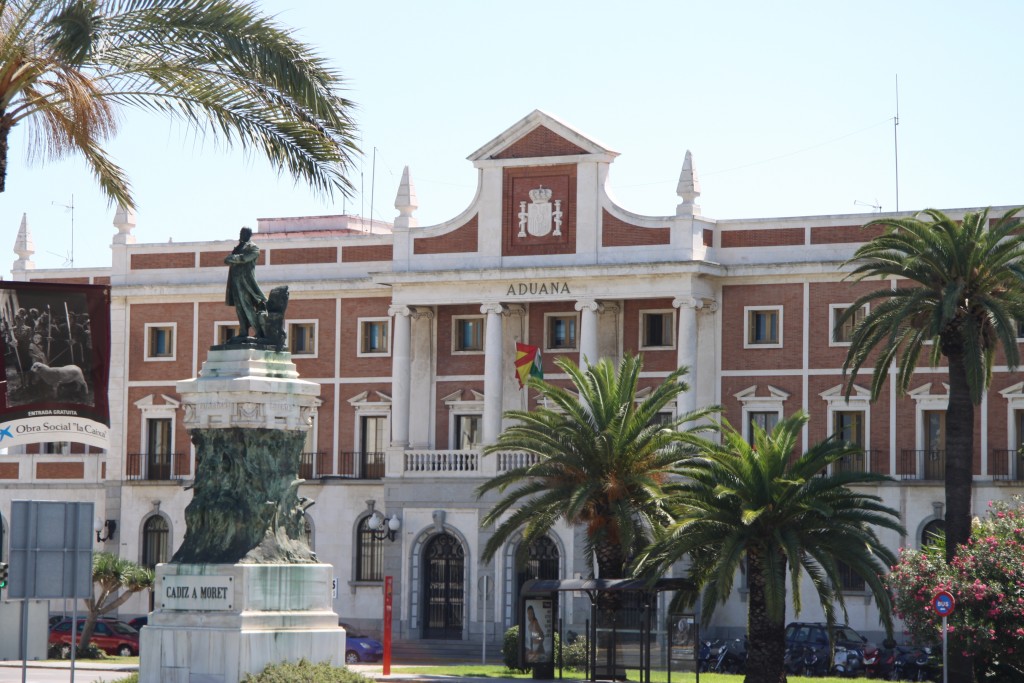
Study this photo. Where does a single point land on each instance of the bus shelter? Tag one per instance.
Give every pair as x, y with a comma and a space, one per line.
614, 604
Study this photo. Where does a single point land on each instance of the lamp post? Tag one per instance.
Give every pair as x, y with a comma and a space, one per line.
105, 530
382, 527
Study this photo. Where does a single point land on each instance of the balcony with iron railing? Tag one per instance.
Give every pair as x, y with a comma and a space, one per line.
872, 459
351, 465
1006, 465
157, 466
923, 465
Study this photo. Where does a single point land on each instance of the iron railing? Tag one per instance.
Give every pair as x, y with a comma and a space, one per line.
1006, 465
157, 466
925, 465
351, 465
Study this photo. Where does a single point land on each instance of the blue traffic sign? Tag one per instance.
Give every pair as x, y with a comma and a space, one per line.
943, 603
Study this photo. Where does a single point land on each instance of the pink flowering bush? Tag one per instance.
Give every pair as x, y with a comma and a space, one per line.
987, 581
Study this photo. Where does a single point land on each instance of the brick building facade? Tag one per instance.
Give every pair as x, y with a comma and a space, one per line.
410, 332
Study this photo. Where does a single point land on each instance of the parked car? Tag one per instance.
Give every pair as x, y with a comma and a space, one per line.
359, 647
138, 622
813, 641
113, 636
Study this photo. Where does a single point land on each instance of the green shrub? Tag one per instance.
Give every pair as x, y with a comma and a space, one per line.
510, 650
63, 651
575, 654
306, 672
132, 678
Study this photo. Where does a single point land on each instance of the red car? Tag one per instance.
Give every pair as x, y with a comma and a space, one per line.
111, 635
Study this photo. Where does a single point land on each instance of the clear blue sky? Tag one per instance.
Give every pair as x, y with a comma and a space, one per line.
787, 107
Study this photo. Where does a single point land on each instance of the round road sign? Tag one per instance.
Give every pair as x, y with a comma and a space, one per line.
943, 603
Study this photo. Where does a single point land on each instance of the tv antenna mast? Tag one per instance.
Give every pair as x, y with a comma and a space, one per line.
71, 208
876, 206
896, 141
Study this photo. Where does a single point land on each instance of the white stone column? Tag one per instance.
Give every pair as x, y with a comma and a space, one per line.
494, 355
401, 370
589, 310
686, 346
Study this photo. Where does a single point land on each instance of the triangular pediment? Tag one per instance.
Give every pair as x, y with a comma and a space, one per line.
540, 135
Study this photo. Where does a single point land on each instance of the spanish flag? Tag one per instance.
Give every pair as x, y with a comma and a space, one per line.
528, 363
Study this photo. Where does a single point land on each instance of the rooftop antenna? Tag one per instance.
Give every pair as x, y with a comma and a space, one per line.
896, 141
876, 206
373, 185
70, 260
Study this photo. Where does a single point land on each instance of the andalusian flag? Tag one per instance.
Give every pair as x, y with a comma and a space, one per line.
528, 363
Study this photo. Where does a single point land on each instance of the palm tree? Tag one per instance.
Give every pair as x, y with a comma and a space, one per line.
111, 575
739, 501
967, 298
67, 67
602, 457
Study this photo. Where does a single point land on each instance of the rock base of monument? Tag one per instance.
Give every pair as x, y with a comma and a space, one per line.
216, 623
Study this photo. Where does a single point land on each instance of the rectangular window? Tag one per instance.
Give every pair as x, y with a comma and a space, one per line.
158, 449
934, 430
226, 332
763, 327
843, 333
160, 342
1020, 329
302, 338
764, 419
468, 334
373, 441
373, 337
848, 425
656, 329
561, 332
850, 580
467, 432
57, 447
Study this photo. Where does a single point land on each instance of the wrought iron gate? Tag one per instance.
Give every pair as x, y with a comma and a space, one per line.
444, 594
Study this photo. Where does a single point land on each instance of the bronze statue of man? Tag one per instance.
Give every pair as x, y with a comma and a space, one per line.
243, 292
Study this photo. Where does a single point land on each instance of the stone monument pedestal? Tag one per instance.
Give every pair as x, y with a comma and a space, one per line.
215, 623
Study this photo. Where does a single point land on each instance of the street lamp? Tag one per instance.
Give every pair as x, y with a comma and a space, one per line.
109, 526
382, 527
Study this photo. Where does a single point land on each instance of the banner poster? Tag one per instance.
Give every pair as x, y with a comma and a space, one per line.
540, 631
55, 339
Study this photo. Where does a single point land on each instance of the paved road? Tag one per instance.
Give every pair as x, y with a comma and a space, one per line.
12, 674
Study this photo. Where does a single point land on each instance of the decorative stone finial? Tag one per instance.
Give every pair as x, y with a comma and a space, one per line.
24, 247
406, 202
124, 221
688, 188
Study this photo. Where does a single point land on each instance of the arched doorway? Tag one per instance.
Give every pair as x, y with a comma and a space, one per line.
444, 588
541, 561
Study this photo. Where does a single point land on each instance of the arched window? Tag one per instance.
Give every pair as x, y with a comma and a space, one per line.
155, 541
932, 531
369, 553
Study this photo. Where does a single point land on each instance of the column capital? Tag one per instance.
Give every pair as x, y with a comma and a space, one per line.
399, 309
698, 304
515, 309
421, 312
592, 305
495, 308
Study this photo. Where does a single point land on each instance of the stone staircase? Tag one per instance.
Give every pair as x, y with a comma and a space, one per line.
439, 652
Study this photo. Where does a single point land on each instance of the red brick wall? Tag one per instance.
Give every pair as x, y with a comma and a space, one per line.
160, 370
322, 310
540, 142
215, 259
101, 280
517, 184
733, 385
60, 470
463, 239
447, 362
844, 234
734, 299
353, 365
778, 237
180, 259
65, 280
9, 470
374, 252
618, 233
822, 295
654, 360
283, 257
